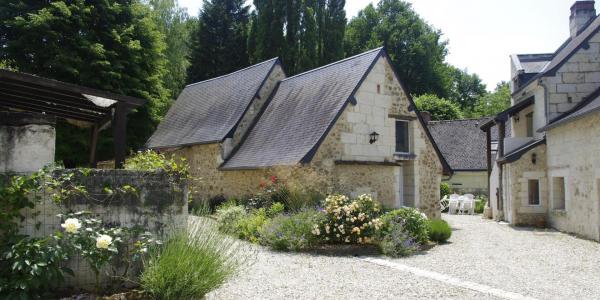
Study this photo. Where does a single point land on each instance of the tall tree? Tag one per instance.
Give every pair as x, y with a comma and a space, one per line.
175, 25
112, 45
220, 39
416, 49
465, 88
492, 103
439, 108
333, 31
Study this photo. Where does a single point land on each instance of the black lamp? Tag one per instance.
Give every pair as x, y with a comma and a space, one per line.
373, 137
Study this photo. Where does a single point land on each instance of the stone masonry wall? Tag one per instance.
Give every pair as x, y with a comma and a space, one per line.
159, 206
519, 172
577, 78
573, 154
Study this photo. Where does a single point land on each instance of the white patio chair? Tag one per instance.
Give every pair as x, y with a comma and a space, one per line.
467, 206
454, 196
453, 205
470, 196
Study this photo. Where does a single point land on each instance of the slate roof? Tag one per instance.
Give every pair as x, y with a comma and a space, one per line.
587, 106
532, 63
566, 50
462, 143
207, 111
300, 112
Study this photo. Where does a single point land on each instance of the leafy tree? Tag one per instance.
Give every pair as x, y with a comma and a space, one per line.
112, 45
439, 108
492, 103
465, 88
415, 48
333, 31
175, 25
220, 39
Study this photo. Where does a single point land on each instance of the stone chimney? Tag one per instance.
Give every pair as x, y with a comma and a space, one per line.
581, 13
426, 116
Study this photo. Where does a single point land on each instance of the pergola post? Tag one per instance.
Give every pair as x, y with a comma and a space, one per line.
501, 135
93, 146
120, 134
488, 152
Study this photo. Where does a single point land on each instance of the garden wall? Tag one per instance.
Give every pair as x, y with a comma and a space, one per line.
158, 204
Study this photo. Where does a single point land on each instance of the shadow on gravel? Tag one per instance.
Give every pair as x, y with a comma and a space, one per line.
344, 250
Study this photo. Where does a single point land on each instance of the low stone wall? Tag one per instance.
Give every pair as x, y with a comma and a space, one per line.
159, 204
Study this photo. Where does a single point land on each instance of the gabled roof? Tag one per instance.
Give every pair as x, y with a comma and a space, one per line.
531, 63
566, 50
462, 143
588, 105
207, 111
302, 110
299, 114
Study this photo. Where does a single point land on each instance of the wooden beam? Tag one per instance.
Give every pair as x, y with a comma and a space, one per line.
47, 108
500, 151
64, 115
70, 100
32, 100
367, 163
93, 146
120, 134
488, 152
66, 87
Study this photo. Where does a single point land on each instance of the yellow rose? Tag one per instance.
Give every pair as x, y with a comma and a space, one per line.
71, 225
103, 241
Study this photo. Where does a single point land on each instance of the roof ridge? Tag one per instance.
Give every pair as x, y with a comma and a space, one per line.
460, 120
334, 63
234, 72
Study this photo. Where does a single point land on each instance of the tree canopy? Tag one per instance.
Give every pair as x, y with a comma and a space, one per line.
492, 103
439, 108
112, 45
219, 39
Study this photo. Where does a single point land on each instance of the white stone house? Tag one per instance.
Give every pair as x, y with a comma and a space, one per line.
547, 169
351, 123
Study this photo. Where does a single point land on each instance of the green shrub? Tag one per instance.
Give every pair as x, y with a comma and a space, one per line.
292, 232
350, 220
396, 242
189, 265
275, 209
296, 199
152, 161
413, 222
479, 206
445, 189
228, 217
439, 231
248, 226
31, 268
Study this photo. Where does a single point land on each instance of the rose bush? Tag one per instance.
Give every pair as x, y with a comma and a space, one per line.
349, 220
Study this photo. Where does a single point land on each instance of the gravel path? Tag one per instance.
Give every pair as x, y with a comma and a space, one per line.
542, 264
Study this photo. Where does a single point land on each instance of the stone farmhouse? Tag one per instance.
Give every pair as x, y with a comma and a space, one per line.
350, 123
547, 168
463, 145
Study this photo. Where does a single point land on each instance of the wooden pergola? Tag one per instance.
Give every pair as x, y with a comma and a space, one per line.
96, 108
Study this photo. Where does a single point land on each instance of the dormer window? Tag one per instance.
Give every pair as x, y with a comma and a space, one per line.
402, 137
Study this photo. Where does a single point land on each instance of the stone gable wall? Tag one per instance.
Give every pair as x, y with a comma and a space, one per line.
257, 103
577, 78
573, 154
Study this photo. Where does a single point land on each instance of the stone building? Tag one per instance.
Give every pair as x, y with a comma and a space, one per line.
350, 124
463, 145
547, 171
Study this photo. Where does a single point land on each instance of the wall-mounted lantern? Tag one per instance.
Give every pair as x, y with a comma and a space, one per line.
373, 137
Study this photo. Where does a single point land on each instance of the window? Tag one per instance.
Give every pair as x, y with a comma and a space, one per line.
402, 137
558, 192
529, 121
534, 192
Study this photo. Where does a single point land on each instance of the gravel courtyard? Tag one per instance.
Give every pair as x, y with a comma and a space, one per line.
502, 262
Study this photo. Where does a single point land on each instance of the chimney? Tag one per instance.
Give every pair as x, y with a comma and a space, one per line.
581, 13
426, 116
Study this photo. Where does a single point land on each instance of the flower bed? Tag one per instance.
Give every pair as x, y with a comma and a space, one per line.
336, 220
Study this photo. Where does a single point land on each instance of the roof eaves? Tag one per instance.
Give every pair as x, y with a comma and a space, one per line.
519, 152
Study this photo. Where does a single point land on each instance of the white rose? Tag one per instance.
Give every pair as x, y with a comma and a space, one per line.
103, 241
71, 225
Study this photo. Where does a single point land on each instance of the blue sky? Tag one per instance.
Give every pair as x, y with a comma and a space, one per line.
482, 34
